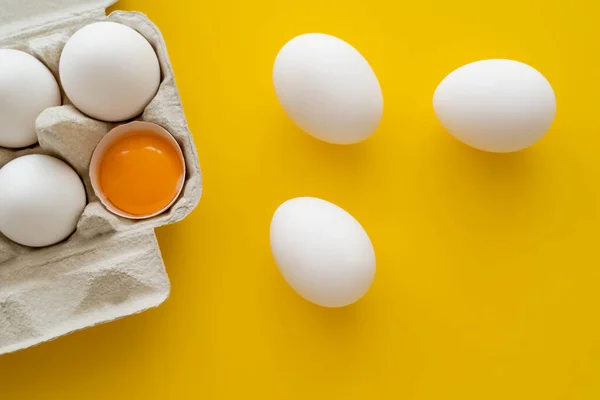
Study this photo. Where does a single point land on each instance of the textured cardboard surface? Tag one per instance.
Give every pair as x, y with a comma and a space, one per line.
18, 16
110, 267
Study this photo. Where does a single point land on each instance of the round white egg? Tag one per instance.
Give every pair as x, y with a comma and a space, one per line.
109, 71
27, 88
41, 200
322, 251
328, 88
496, 105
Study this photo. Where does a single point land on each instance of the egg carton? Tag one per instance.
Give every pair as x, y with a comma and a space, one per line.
110, 267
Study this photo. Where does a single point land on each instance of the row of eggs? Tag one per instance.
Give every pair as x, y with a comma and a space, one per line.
109, 72
330, 91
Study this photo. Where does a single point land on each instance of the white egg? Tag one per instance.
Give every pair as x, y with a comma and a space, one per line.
41, 200
27, 88
322, 251
328, 88
496, 105
109, 71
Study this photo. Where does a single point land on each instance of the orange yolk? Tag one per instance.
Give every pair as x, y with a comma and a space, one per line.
141, 173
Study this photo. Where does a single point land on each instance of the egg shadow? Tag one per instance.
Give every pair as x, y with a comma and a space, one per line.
305, 160
337, 344
490, 206
338, 330
509, 176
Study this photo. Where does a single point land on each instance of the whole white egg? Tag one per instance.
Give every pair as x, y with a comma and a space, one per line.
322, 251
27, 87
328, 88
496, 105
109, 71
41, 200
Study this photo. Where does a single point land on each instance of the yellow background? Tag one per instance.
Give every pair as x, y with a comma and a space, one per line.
488, 265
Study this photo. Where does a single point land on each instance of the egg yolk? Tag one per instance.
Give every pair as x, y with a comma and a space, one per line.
141, 173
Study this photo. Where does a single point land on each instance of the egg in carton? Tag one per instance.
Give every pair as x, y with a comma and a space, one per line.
110, 267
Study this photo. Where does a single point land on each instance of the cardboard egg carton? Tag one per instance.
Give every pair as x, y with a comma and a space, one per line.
110, 267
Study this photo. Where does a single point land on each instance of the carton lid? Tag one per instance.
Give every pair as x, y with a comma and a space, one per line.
17, 15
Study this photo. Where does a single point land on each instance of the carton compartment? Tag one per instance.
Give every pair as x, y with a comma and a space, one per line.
111, 266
